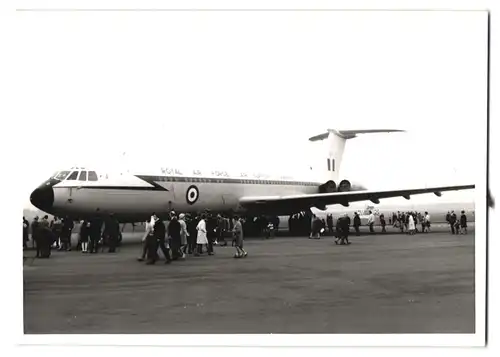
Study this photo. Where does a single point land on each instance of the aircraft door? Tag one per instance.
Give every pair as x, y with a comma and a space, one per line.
168, 200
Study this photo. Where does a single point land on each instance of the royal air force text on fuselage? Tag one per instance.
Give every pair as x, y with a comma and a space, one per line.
168, 171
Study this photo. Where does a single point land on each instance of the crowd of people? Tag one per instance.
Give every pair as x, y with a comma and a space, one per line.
187, 234
184, 234
190, 235
56, 234
457, 226
407, 222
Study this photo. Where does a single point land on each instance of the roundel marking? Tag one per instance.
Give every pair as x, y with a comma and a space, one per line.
192, 194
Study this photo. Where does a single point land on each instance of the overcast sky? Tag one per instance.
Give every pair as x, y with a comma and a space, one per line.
247, 89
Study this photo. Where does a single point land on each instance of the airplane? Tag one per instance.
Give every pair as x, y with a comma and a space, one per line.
81, 193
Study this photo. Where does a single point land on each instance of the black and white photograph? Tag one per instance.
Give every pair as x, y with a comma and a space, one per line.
201, 176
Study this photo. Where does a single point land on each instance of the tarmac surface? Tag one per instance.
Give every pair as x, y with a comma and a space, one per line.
379, 284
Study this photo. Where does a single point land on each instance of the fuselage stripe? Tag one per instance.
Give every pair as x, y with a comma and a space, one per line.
243, 180
153, 181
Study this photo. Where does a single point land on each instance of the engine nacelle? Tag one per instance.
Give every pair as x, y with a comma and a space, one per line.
328, 187
344, 186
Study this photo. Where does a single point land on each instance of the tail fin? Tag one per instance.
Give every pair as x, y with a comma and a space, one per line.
335, 147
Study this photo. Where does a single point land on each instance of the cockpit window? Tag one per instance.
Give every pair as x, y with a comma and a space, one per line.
83, 176
92, 176
61, 175
73, 175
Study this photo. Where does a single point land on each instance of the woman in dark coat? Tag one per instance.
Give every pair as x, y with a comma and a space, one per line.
463, 223
84, 235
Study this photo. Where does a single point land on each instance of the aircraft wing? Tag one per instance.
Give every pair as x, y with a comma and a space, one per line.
296, 203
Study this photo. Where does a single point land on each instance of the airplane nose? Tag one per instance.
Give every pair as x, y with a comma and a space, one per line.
43, 198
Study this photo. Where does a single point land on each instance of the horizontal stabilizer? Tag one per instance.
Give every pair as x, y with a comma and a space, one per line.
349, 134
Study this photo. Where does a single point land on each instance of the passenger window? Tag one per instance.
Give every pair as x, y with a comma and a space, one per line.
73, 175
92, 176
83, 176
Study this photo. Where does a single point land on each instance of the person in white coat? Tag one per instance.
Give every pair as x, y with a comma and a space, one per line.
411, 224
371, 221
427, 222
201, 238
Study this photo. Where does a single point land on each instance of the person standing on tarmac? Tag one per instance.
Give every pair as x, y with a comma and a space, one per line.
151, 242
174, 232
45, 239
356, 222
463, 223
111, 232
160, 232
423, 223
238, 236
26, 228
382, 223
457, 227
221, 222
184, 235
84, 235
34, 230
407, 221
211, 226
95, 232
315, 227
371, 222
201, 238
144, 247
452, 221
192, 233
411, 225
66, 233
329, 223
42, 237
427, 220
344, 224
311, 234
56, 231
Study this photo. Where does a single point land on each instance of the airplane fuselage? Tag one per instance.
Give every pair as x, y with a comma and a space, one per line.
182, 194
134, 197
